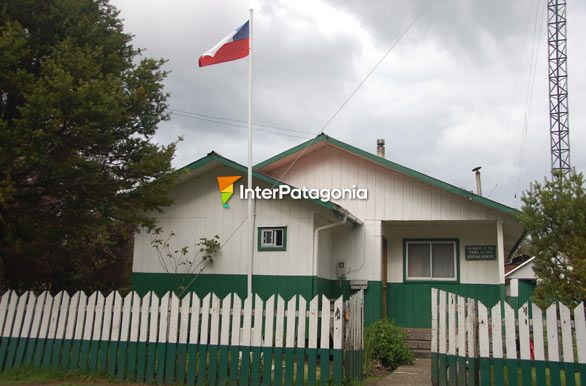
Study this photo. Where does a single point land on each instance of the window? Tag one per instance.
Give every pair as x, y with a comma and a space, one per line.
431, 260
272, 239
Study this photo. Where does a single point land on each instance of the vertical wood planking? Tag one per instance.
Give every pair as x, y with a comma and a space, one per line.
442, 343
235, 339
267, 350
151, 347
25, 332
580, 324
257, 339
224, 339
9, 313
105, 333
511, 343
567, 344
173, 335
337, 339
300, 350
203, 340
461, 339
194, 317
35, 327
472, 336
279, 334
553, 345
114, 334
484, 348
324, 346
290, 341
87, 331
125, 326
52, 331
182, 340
539, 346
214, 339
96, 334
452, 337
60, 333
43, 330
70, 329
162, 339
434, 337
497, 344
138, 337
13, 337
80, 320
524, 345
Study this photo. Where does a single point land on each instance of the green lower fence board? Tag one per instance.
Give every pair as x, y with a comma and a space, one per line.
38, 352
103, 355
526, 373
324, 366
123, 353
512, 372
181, 360
300, 376
132, 362
582, 372
234, 364
452, 377
499, 371
540, 377
245, 366
461, 364
222, 365
337, 371
472, 372
93, 356
29, 352
150, 362
191, 364
278, 377
75, 356
11, 353
255, 369
20, 352
443, 370
289, 363
311, 366
140, 362
3, 352
267, 354
570, 372
47, 351
202, 365
66, 353
484, 364
56, 355
160, 363
554, 374
171, 364
212, 365
112, 358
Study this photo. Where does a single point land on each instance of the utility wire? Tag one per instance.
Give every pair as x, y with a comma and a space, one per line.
355, 90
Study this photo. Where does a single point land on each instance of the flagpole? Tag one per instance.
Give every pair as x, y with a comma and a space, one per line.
250, 198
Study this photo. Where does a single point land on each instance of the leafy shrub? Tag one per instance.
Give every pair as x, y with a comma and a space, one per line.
385, 343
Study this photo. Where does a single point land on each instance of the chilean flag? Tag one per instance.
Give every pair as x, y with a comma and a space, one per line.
232, 47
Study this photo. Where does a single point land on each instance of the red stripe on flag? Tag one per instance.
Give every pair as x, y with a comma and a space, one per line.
228, 52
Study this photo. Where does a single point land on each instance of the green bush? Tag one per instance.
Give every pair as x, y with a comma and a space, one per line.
385, 343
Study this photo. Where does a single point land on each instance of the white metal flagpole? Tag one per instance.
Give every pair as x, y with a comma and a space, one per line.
250, 197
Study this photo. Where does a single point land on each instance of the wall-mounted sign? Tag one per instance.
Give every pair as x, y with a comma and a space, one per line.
480, 252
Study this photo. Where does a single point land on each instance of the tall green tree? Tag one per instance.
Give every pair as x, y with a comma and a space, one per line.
79, 106
554, 214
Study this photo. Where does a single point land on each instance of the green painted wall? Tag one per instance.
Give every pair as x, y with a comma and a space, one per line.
409, 304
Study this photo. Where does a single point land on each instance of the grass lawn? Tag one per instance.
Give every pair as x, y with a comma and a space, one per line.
56, 377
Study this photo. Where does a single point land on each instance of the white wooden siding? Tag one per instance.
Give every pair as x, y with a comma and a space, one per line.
392, 196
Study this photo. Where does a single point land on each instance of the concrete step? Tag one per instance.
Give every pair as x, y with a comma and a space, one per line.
421, 353
419, 334
419, 344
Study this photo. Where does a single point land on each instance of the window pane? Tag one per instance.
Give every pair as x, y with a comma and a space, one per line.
279, 237
443, 261
418, 255
267, 237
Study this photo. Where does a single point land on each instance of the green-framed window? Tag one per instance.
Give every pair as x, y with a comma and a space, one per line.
431, 260
272, 238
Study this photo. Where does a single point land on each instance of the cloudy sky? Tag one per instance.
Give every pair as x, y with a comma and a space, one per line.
466, 86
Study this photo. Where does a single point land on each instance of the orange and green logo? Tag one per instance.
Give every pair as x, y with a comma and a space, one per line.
226, 185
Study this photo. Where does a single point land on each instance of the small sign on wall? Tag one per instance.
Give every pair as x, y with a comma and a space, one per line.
480, 252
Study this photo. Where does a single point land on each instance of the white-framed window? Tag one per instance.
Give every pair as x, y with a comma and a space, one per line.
272, 238
431, 260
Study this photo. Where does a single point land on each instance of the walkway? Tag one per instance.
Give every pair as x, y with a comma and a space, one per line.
419, 374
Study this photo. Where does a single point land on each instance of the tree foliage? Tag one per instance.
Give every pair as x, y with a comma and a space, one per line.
79, 106
554, 214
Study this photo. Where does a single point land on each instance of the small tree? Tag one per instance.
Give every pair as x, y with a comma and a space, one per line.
554, 215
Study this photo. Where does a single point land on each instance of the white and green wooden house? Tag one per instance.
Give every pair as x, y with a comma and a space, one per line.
412, 233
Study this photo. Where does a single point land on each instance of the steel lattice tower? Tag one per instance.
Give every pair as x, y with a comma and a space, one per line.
558, 86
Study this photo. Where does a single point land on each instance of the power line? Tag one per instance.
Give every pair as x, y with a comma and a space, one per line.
360, 84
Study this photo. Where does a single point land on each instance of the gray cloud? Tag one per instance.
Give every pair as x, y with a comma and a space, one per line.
444, 98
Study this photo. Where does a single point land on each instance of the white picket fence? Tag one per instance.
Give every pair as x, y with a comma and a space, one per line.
473, 344
172, 340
